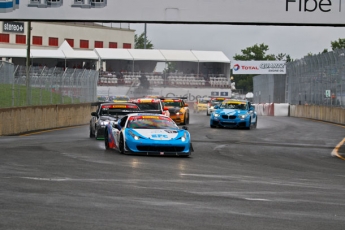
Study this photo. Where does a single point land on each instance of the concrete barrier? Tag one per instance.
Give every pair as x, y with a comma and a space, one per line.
322, 113
26, 119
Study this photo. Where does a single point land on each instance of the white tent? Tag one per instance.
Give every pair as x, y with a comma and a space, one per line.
41, 53
146, 55
113, 54
179, 55
80, 54
9, 53
210, 56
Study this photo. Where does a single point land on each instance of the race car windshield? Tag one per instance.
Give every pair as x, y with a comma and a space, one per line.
102, 98
214, 102
151, 124
149, 106
118, 98
233, 106
203, 101
172, 103
113, 112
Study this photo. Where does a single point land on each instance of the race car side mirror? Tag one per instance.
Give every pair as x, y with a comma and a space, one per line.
165, 108
94, 114
186, 105
116, 126
216, 106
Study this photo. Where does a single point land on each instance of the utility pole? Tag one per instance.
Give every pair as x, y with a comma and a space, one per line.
145, 37
28, 89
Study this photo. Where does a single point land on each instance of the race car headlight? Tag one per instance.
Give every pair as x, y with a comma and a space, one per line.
104, 122
242, 116
216, 115
178, 113
135, 137
184, 137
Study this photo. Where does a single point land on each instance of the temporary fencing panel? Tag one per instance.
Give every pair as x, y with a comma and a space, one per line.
45, 86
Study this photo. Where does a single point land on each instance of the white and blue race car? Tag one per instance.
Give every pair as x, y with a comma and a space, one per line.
148, 134
234, 114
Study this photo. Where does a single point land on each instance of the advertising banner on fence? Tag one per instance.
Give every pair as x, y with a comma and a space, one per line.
258, 67
282, 12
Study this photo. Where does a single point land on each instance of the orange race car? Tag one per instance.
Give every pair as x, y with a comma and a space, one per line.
178, 109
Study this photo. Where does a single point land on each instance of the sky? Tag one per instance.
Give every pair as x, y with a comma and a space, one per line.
297, 41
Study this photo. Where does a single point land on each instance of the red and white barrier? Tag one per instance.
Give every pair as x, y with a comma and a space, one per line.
272, 109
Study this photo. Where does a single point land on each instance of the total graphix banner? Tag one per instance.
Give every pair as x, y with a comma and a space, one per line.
258, 67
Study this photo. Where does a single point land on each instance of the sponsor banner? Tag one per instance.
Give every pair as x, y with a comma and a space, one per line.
192, 94
293, 12
13, 27
258, 67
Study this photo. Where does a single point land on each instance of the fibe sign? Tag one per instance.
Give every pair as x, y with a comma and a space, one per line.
254, 12
311, 5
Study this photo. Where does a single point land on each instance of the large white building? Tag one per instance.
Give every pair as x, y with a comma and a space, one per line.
83, 36
50, 35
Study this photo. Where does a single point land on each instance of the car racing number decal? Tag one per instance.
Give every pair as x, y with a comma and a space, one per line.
159, 135
149, 117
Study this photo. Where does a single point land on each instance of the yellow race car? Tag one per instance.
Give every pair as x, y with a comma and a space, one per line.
119, 98
201, 104
178, 108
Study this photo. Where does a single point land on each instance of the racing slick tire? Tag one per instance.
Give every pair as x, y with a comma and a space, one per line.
106, 140
213, 126
96, 133
186, 119
256, 123
122, 145
91, 134
250, 125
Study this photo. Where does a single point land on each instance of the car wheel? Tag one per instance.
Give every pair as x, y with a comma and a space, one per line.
207, 114
122, 145
106, 140
187, 122
96, 133
91, 134
256, 122
213, 126
250, 125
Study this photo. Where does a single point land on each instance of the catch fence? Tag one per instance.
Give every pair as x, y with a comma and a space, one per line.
312, 80
45, 85
317, 80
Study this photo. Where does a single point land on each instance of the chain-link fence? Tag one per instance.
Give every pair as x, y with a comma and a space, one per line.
45, 86
312, 80
269, 88
317, 80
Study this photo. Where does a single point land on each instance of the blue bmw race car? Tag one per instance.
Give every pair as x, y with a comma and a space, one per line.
234, 113
148, 134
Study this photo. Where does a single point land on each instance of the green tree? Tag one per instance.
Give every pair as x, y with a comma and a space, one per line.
140, 40
340, 44
288, 58
170, 68
253, 53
